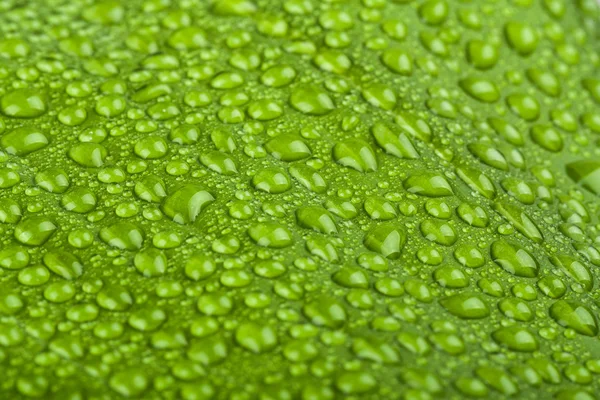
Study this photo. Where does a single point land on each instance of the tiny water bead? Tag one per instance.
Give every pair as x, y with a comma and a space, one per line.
281, 199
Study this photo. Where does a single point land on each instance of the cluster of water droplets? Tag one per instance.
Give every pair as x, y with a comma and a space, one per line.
290, 199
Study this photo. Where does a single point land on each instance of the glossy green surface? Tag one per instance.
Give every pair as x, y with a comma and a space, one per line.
299, 199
